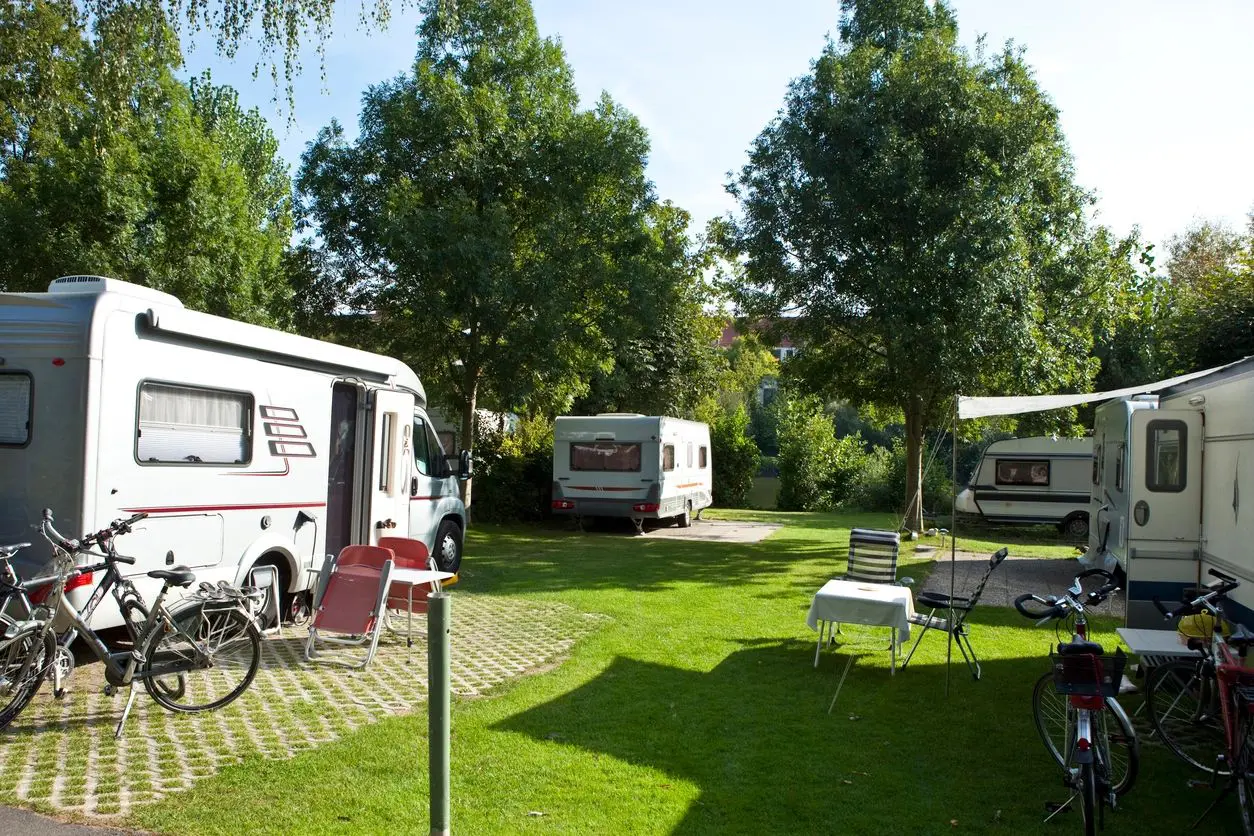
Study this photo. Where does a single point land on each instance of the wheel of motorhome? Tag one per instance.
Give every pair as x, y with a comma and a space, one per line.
626, 465
1076, 525
243, 444
448, 547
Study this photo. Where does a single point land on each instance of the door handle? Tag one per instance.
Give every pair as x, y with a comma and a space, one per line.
413, 486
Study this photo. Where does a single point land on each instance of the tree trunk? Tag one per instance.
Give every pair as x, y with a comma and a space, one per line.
914, 464
468, 428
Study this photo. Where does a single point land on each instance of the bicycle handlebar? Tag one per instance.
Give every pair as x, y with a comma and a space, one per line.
1052, 608
102, 536
1057, 607
1201, 603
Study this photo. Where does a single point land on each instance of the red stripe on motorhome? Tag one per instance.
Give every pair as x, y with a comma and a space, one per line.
176, 509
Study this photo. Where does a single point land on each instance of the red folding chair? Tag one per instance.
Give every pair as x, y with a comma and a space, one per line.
350, 601
410, 554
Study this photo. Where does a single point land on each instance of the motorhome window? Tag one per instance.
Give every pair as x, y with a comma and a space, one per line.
704, 457
387, 443
690, 454
1166, 456
15, 402
604, 455
189, 425
422, 451
448, 440
668, 457
1097, 464
1022, 472
1119, 469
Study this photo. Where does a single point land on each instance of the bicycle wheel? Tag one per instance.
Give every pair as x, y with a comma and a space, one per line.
1055, 721
1088, 798
205, 664
1181, 700
1054, 718
18, 687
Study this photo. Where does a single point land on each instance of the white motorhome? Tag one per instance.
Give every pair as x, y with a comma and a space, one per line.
1167, 497
245, 445
1032, 481
630, 465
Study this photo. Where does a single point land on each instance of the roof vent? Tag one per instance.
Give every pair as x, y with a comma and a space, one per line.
96, 285
620, 415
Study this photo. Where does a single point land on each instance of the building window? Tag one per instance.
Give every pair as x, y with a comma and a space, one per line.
190, 425
704, 457
668, 457
1023, 472
15, 409
1166, 456
604, 455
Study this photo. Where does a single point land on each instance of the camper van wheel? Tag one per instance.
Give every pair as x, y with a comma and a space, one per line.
448, 547
1076, 525
685, 519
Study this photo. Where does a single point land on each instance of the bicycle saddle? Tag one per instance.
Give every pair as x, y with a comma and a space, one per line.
1081, 648
178, 576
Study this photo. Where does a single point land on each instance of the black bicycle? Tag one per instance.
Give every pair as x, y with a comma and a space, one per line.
198, 654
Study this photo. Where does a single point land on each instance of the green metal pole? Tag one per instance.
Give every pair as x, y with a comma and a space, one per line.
439, 626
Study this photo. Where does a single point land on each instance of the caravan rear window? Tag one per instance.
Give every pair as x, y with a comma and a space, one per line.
1166, 455
190, 425
1022, 472
15, 403
604, 455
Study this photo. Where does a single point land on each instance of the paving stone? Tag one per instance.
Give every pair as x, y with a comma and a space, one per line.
61, 754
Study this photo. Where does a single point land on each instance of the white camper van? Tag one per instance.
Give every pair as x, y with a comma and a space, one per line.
630, 465
1032, 481
244, 445
1173, 490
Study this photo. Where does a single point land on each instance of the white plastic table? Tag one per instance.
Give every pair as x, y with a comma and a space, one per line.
1154, 646
857, 602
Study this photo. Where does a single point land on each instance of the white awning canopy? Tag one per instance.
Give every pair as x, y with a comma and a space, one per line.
969, 407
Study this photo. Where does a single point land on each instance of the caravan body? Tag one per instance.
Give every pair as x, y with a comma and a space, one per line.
245, 445
1167, 501
1032, 481
628, 465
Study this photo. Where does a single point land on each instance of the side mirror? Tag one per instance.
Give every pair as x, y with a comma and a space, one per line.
463, 465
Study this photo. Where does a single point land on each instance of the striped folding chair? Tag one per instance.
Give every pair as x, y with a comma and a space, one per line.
873, 556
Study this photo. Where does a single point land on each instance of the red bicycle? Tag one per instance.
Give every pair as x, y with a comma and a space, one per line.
1203, 708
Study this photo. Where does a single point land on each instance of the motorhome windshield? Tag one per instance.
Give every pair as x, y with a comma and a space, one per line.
15, 403
604, 455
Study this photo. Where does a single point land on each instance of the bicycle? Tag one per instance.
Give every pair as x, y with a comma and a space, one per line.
1203, 708
199, 654
1075, 705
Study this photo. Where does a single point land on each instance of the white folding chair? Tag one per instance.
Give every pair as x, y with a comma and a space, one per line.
266, 578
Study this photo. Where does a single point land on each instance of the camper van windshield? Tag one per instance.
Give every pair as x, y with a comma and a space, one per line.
604, 455
14, 408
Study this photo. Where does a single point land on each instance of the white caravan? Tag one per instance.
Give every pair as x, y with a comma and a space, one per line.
1167, 498
1032, 481
245, 445
630, 465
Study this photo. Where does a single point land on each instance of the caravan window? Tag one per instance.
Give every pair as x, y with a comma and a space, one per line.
689, 454
705, 457
668, 457
604, 455
190, 425
1022, 472
1166, 455
1097, 464
15, 404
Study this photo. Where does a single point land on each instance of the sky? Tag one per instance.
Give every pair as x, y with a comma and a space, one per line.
1154, 95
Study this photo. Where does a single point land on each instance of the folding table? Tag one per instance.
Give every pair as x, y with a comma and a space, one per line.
854, 602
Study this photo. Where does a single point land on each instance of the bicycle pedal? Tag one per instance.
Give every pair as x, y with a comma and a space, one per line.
110, 690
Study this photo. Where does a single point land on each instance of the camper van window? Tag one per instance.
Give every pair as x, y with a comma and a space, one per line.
448, 440
1119, 469
668, 457
190, 425
14, 409
705, 457
1022, 472
689, 454
1166, 456
604, 455
422, 447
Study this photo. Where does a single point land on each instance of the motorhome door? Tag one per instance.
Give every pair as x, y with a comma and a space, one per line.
391, 450
1164, 526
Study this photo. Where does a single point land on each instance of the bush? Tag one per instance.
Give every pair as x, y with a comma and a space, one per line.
514, 472
736, 458
881, 485
817, 471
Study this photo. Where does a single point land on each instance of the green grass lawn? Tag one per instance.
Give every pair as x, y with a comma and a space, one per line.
696, 710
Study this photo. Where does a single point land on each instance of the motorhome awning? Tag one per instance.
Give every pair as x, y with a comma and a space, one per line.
980, 407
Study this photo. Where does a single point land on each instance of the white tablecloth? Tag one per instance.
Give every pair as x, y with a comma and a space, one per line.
856, 602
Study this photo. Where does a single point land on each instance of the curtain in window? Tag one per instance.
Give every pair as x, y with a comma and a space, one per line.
182, 424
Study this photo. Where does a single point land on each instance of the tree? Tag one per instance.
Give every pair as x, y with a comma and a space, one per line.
1211, 319
496, 229
108, 164
914, 206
